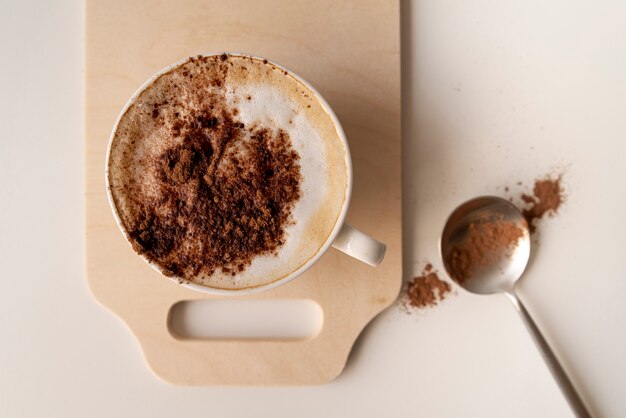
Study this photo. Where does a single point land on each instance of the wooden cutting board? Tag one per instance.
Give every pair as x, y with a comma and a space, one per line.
350, 51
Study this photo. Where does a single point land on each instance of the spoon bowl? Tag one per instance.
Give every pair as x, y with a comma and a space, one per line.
502, 274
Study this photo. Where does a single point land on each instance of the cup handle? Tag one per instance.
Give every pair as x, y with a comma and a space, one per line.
359, 245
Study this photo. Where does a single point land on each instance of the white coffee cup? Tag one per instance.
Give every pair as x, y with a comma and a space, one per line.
343, 236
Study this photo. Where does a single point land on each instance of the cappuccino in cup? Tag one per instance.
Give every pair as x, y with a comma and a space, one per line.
228, 172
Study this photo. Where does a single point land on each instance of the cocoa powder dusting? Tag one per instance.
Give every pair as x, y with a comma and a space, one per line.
226, 192
426, 290
485, 244
546, 199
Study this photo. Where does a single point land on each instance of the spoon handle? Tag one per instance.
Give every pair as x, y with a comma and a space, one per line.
559, 374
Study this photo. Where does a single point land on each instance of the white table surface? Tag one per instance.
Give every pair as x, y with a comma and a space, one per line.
494, 92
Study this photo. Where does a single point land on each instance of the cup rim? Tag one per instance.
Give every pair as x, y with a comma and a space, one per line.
265, 286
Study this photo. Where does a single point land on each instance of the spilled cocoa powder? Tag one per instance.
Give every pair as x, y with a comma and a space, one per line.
485, 244
547, 197
426, 290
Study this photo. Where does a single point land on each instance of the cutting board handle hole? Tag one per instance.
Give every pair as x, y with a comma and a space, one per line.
284, 320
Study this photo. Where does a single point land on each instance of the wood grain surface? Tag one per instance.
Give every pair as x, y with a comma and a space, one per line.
350, 51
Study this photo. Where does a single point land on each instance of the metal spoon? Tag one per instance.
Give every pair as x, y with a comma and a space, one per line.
502, 275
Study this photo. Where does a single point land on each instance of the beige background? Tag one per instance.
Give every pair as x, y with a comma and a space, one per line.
495, 92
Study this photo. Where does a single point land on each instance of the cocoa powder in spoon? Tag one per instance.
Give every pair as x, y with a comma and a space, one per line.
486, 243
